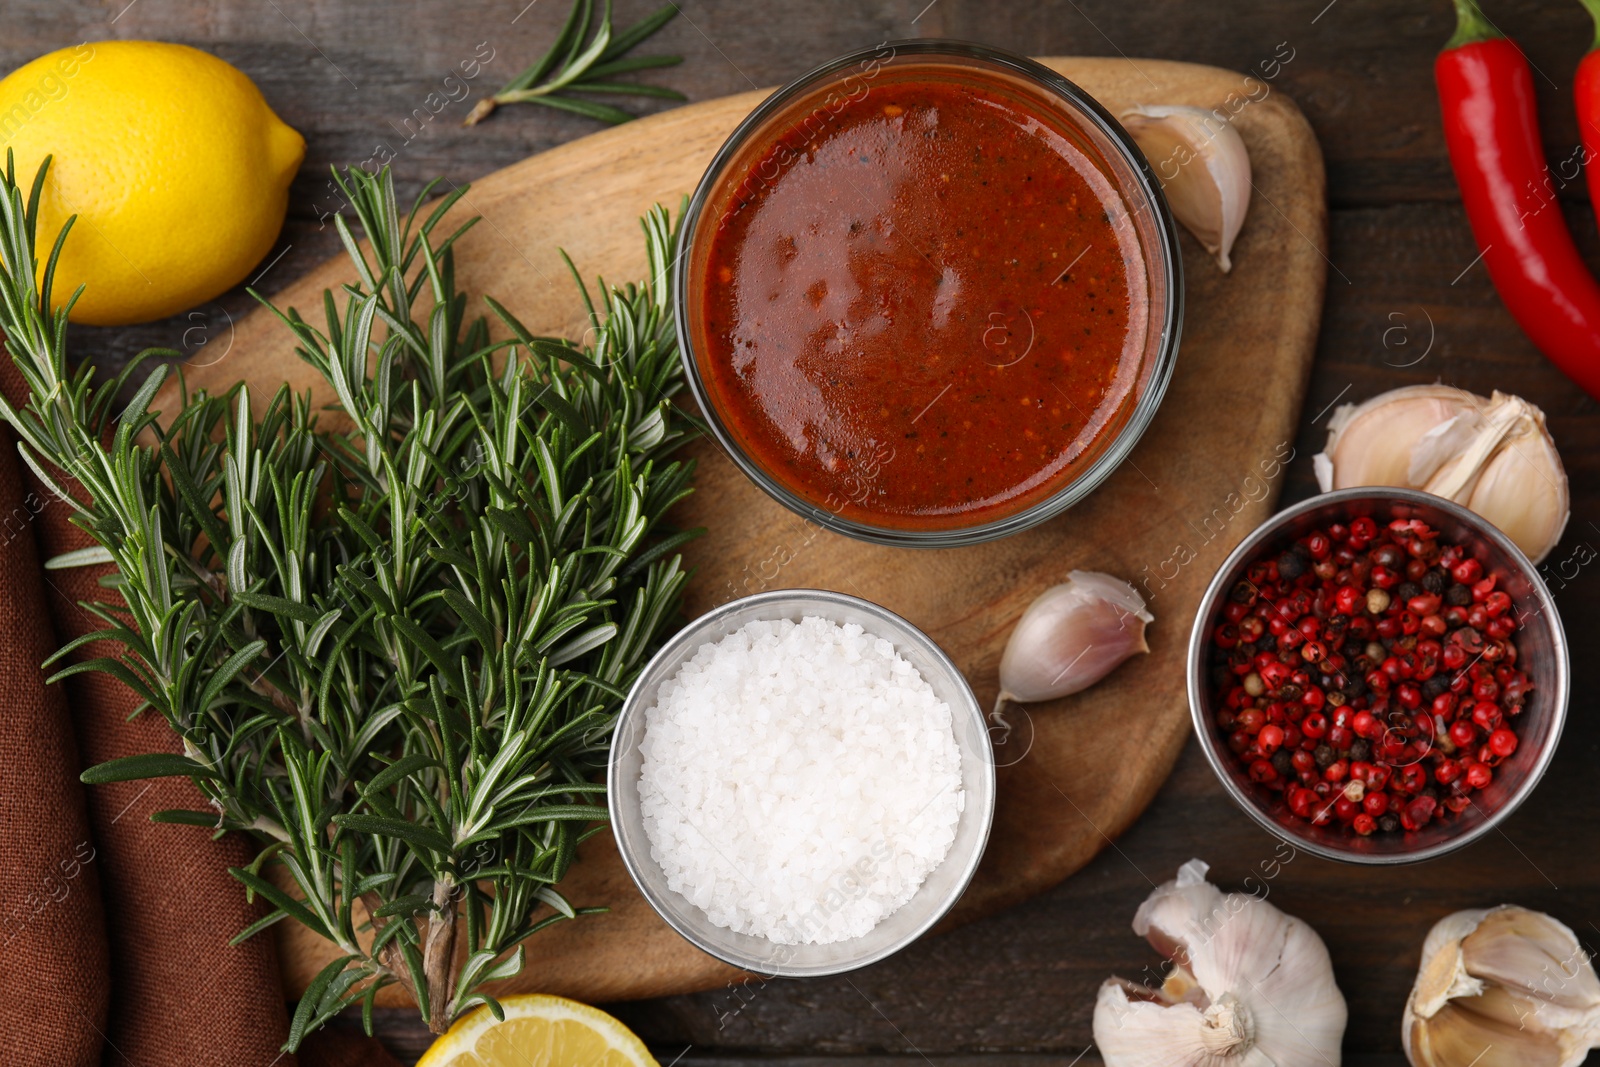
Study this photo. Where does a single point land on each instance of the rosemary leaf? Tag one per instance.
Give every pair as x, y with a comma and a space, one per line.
579, 60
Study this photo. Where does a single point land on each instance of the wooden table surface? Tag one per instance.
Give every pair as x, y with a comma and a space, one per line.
1406, 303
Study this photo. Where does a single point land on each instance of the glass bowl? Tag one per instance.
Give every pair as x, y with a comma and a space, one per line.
1541, 645
1101, 138
944, 884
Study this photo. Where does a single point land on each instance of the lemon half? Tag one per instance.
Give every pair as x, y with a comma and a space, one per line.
176, 167
538, 1031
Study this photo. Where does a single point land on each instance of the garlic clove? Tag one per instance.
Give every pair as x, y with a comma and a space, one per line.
1373, 443
1134, 1031
1523, 488
1071, 636
1203, 167
1250, 986
1502, 986
1458, 1037
1531, 952
1493, 455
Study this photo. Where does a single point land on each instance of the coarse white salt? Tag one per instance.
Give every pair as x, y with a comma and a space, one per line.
800, 780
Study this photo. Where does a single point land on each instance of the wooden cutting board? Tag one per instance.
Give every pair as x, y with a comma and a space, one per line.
1076, 773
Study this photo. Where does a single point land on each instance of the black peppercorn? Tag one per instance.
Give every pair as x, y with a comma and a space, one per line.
1354, 688
1242, 593
1438, 685
1435, 580
1283, 763
1324, 755
1407, 590
1291, 566
1389, 822
1360, 749
1458, 596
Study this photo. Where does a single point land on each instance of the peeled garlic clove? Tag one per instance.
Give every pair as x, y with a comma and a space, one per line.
1203, 167
1250, 986
1494, 455
1071, 636
1502, 986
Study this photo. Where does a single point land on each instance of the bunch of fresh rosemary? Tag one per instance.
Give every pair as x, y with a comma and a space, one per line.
393, 650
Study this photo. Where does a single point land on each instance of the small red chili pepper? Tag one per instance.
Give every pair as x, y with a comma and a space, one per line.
1586, 91
1491, 130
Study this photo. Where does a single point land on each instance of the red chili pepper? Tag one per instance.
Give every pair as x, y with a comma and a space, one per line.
1491, 129
1586, 90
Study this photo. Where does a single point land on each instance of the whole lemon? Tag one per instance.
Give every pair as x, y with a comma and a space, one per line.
176, 167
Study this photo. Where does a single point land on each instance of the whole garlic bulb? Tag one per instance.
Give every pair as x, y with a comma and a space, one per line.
1249, 985
1493, 455
1502, 987
1071, 636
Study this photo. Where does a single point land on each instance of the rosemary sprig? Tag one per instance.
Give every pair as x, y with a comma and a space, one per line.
585, 62
393, 650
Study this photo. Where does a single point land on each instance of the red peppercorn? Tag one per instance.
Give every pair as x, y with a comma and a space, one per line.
1318, 545
1270, 739
1487, 716
1364, 824
1467, 571
1426, 604
1463, 733
1503, 742
1314, 725
1419, 811
1375, 803
1479, 775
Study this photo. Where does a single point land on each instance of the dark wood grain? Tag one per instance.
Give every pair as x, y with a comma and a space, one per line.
1017, 988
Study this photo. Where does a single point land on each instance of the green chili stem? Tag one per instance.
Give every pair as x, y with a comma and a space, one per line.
1472, 26
1593, 7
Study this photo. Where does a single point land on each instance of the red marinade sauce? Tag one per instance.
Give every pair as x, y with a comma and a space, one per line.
924, 304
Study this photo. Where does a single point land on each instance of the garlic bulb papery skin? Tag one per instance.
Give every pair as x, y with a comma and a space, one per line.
1502, 987
1203, 167
1249, 986
1492, 455
1071, 636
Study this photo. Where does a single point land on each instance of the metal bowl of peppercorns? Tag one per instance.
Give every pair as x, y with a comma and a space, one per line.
1378, 675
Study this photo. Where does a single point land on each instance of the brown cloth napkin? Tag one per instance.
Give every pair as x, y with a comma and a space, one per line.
53, 953
180, 995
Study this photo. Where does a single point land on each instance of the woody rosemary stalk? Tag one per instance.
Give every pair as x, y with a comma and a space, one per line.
393, 637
